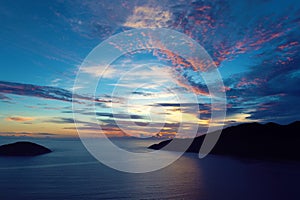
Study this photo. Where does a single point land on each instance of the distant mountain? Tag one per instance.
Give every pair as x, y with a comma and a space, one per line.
23, 149
252, 140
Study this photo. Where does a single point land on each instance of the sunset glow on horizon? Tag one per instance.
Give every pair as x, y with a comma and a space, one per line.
43, 47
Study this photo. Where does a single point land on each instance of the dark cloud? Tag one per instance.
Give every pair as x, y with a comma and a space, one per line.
66, 120
119, 115
268, 92
61, 120
45, 92
3, 97
142, 93
35, 91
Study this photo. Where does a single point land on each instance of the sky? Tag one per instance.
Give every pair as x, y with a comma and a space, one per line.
253, 44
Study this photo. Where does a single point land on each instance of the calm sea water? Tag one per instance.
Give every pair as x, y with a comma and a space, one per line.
70, 172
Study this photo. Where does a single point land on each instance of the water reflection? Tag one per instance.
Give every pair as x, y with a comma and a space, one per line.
180, 180
70, 172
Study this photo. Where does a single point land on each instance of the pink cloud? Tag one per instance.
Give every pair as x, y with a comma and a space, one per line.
245, 82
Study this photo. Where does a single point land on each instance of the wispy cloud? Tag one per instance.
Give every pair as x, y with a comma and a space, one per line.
45, 92
149, 17
100, 71
3, 97
20, 119
30, 134
119, 115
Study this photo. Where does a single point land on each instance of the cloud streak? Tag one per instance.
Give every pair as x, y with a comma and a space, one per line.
45, 92
20, 119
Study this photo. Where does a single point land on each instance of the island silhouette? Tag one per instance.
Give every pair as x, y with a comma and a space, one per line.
250, 140
23, 148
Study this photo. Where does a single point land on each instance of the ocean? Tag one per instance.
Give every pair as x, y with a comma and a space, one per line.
70, 172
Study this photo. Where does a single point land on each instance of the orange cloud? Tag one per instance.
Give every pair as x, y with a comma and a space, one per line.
19, 119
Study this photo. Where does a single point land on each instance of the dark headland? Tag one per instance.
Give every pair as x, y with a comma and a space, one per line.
23, 149
251, 140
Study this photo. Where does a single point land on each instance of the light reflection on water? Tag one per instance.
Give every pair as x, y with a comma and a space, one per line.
71, 173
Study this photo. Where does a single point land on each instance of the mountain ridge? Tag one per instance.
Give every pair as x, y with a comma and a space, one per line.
251, 140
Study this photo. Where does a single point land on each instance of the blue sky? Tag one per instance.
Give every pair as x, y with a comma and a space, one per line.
254, 44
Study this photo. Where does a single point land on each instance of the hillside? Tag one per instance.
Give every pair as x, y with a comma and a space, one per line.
252, 140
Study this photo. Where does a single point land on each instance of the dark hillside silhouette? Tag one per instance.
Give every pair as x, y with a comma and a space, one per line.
252, 140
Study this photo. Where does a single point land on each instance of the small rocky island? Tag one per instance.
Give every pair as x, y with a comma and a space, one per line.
23, 149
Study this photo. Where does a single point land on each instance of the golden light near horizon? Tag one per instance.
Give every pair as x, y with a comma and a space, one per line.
240, 118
